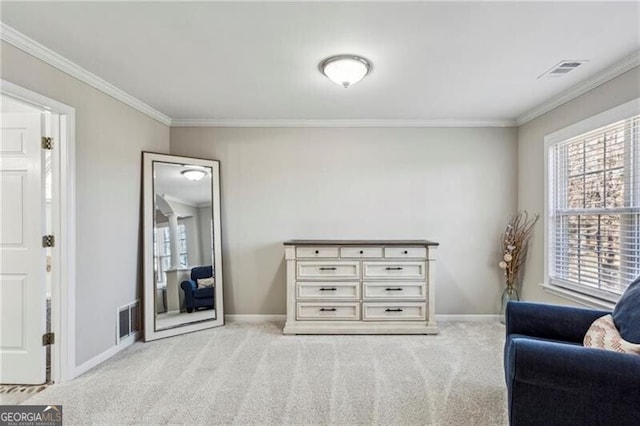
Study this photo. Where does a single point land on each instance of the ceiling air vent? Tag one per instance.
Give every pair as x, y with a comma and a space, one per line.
562, 68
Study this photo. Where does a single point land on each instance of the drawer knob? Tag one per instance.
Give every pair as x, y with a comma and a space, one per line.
317, 251
393, 310
389, 268
328, 289
324, 268
328, 309
361, 251
393, 289
405, 252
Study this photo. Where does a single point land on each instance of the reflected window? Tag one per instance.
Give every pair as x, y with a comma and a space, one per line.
162, 251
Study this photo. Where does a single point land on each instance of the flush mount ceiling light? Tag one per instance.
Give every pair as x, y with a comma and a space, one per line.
194, 174
345, 70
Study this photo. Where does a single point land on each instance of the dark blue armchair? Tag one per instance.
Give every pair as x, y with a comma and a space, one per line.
194, 297
553, 380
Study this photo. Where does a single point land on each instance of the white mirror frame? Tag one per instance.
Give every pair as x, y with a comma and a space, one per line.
148, 196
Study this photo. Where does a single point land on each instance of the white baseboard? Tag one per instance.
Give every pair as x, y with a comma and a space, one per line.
468, 318
244, 318
100, 358
254, 318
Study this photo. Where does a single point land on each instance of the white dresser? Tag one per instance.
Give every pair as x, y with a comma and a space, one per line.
360, 287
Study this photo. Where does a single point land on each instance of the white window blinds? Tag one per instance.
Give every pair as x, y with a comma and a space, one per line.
595, 210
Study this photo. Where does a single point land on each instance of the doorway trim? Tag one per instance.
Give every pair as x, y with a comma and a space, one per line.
63, 303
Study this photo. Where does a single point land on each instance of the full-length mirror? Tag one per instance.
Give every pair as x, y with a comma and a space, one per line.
182, 245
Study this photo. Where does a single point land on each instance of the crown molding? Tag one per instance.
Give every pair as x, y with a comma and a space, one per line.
56, 60
608, 74
213, 122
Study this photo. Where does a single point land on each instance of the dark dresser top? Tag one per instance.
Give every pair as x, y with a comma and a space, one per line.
415, 243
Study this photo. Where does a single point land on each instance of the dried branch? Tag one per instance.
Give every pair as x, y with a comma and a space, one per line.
515, 244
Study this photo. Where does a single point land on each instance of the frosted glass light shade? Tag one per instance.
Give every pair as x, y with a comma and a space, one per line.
345, 70
194, 174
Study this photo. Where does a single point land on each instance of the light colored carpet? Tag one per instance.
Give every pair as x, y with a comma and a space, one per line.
249, 374
171, 319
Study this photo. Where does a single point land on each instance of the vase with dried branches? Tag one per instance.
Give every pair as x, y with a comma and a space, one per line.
515, 243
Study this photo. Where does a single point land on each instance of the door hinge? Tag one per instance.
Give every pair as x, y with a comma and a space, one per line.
48, 241
48, 339
47, 142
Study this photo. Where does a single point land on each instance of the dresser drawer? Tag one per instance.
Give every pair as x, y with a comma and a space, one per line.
394, 311
394, 290
328, 311
327, 270
317, 252
359, 252
416, 270
415, 252
328, 290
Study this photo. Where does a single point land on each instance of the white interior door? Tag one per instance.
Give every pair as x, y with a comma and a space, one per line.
22, 257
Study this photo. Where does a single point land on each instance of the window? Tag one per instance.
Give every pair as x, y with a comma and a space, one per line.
593, 231
162, 250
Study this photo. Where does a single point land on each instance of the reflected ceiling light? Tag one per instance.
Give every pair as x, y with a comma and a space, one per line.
345, 70
193, 174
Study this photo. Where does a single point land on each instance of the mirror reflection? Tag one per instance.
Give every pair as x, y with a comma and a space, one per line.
183, 255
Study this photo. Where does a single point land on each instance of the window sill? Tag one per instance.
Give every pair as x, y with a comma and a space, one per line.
576, 297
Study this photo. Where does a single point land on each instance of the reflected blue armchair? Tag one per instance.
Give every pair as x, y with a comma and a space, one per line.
195, 297
552, 379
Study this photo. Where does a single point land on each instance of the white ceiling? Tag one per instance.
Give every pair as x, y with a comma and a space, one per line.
258, 60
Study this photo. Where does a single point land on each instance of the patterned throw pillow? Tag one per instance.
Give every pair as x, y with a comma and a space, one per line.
603, 334
205, 282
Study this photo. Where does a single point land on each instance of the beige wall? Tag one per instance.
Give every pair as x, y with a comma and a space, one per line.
109, 139
531, 163
455, 186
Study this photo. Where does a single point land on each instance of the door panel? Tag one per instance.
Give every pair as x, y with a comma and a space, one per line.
22, 260
13, 197
12, 289
12, 141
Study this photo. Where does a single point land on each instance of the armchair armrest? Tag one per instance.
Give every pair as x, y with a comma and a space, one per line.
550, 321
188, 285
576, 369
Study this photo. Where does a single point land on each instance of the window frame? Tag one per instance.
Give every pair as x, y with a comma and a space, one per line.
158, 258
578, 294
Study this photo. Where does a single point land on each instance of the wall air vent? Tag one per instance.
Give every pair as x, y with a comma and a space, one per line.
562, 68
127, 321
